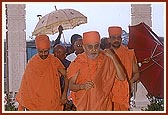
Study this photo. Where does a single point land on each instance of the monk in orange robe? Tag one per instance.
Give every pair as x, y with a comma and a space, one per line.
122, 89
91, 76
40, 86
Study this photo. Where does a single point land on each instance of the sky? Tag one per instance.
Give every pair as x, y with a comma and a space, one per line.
100, 15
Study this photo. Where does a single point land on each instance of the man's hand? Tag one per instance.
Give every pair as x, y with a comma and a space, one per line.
109, 52
60, 29
88, 85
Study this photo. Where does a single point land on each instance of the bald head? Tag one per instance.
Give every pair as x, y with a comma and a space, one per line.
59, 51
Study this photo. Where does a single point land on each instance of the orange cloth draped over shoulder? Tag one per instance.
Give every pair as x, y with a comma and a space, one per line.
102, 72
40, 87
121, 91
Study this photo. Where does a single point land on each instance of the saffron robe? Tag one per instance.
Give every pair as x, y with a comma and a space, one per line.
102, 72
40, 86
121, 89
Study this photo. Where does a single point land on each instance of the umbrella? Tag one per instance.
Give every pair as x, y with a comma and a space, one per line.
149, 51
68, 18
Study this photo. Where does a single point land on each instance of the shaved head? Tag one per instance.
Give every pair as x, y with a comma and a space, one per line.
59, 46
59, 51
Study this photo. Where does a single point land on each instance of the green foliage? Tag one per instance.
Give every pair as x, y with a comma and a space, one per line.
10, 103
156, 104
10, 107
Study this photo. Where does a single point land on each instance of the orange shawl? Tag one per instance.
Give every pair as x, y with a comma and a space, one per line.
121, 91
40, 86
102, 72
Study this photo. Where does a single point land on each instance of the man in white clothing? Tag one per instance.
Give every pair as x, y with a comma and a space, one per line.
77, 47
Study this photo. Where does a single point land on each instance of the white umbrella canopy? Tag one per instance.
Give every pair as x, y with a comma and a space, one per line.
68, 18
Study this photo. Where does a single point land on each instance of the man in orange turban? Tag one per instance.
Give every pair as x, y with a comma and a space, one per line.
122, 89
40, 87
91, 76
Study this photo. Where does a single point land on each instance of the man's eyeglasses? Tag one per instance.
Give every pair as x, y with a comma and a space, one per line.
93, 47
115, 37
79, 45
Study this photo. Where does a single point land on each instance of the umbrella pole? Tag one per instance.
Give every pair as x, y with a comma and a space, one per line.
64, 39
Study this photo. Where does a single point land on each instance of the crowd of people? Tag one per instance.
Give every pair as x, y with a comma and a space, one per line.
93, 74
